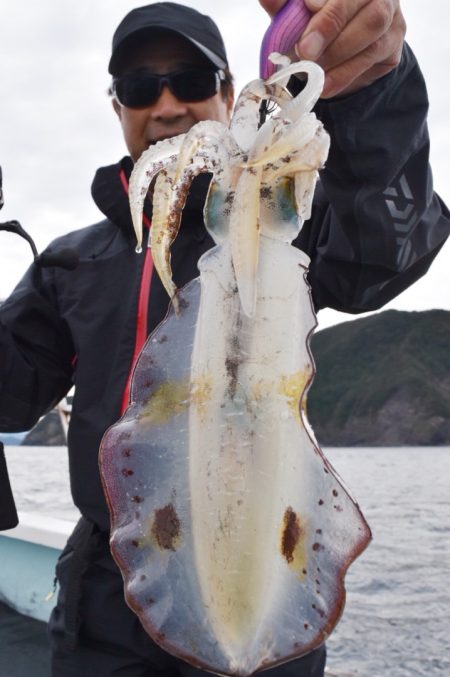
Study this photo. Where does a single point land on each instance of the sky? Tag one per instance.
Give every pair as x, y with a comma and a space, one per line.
57, 125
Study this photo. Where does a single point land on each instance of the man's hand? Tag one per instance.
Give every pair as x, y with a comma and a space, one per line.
355, 41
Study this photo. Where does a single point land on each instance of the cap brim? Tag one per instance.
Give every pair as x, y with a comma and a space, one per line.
117, 56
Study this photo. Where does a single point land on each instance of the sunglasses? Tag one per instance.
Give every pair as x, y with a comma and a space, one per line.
142, 88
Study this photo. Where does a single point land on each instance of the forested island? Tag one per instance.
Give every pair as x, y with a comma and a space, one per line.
383, 380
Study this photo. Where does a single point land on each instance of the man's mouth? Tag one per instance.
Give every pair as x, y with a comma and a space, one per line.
152, 141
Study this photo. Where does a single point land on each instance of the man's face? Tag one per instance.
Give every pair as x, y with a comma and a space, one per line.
167, 116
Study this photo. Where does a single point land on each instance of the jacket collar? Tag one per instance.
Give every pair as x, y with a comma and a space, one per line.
110, 196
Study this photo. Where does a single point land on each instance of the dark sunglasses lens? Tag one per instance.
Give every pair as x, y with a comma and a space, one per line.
137, 90
194, 85
141, 89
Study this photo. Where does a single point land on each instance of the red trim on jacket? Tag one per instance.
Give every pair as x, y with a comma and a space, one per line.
142, 309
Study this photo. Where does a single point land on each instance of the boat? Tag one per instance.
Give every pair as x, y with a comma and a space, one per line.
30, 545
28, 555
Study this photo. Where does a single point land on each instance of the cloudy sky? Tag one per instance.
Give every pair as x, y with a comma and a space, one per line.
57, 125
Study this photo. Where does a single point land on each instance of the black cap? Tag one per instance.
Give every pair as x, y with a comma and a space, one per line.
198, 28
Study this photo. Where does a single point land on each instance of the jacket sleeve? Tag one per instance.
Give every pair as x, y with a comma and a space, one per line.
36, 352
376, 224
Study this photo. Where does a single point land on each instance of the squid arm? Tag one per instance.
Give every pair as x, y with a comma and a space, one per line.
206, 148
144, 171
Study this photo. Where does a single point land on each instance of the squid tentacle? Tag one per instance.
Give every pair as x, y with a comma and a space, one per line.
144, 171
206, 148
273, 140
208, 144
244, 236
245, 119
309, 157
241, 159
289, 136
308, 97
165, 226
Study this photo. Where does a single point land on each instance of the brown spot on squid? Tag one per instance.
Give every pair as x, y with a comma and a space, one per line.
291, 534
166, 527
293, 544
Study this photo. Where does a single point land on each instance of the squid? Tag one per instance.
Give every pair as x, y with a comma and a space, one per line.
232, 530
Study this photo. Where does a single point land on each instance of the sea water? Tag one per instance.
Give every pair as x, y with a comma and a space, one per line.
396, 621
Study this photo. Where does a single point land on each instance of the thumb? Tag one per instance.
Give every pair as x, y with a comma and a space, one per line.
315, 5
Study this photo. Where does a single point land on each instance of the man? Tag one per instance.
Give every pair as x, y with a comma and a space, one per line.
87, 326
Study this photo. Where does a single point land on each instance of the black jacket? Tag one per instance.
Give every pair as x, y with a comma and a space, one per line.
375, 228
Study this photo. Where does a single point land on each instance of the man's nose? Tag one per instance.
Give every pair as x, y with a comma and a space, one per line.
167, 106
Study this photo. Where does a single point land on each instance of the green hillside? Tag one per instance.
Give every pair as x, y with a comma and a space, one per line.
383, 380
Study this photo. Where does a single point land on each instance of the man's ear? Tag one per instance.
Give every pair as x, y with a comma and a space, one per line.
117, 107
